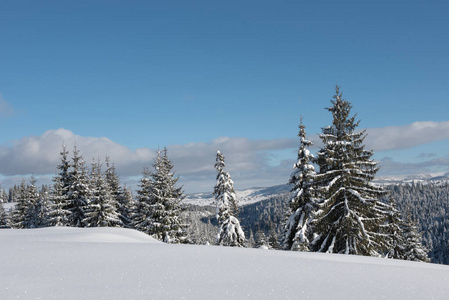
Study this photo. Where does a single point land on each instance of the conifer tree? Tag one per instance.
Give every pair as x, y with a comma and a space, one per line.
4, 222
20, 213
297, 233
230, 232
43, 208
159, 203
118, 194
261, 240
414, 249
141, 216
25, 213
166, 202
127, 206
347, 220
394, 231
59, 214
78, 190
101, 210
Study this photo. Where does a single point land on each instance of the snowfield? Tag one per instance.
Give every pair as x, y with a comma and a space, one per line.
114, 263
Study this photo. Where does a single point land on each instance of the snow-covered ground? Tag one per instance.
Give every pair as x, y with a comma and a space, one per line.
113, 263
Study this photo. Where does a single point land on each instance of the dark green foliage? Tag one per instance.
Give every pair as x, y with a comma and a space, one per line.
348, 219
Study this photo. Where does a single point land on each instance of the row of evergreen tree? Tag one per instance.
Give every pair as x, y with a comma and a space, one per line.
336, 209
94, 198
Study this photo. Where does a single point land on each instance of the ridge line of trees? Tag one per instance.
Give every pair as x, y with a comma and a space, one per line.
333, 206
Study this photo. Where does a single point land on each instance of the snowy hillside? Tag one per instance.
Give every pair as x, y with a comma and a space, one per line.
112, 263
253, 195
245, 197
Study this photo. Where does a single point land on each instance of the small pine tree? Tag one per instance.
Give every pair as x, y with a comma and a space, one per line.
25, 213
101, 210
414, 249
4, 223
127, 206
118, 194
261, 240
297, 232
394, 230
43, 208
273, 240
230, 233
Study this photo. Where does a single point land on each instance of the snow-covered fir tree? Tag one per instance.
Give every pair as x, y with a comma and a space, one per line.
24, 214
127, 206
43, 207
348, 219
261, 240
414, 249
230, 232
101, 209
394, 228
159, 203
78, 190
297, 232
59, 215
141, 216
4, 220
117, 192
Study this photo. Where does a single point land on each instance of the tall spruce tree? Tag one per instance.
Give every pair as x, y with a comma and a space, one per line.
141, 216
348, 219
101, 209
118, 194
59, 215
78, 190
159, 203
230, 232
297, 232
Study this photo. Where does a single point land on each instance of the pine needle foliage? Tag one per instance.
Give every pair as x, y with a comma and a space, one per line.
349, 218
230, 232
297, 231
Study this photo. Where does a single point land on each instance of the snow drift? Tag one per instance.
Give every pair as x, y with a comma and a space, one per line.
114, 263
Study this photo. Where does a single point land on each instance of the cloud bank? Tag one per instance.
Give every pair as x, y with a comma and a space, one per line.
406, 136
249, 161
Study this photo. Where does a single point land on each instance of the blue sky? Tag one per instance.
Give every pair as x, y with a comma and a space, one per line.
122, 78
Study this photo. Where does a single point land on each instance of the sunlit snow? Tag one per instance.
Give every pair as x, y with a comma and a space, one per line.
113, 263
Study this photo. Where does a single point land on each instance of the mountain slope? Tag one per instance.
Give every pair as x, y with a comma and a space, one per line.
112, 263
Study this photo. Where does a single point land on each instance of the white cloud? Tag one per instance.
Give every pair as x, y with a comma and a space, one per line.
407, 136
6, 109
40, 154
391, 167
249, 161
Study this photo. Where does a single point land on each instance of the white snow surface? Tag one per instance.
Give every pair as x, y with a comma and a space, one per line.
115, 263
